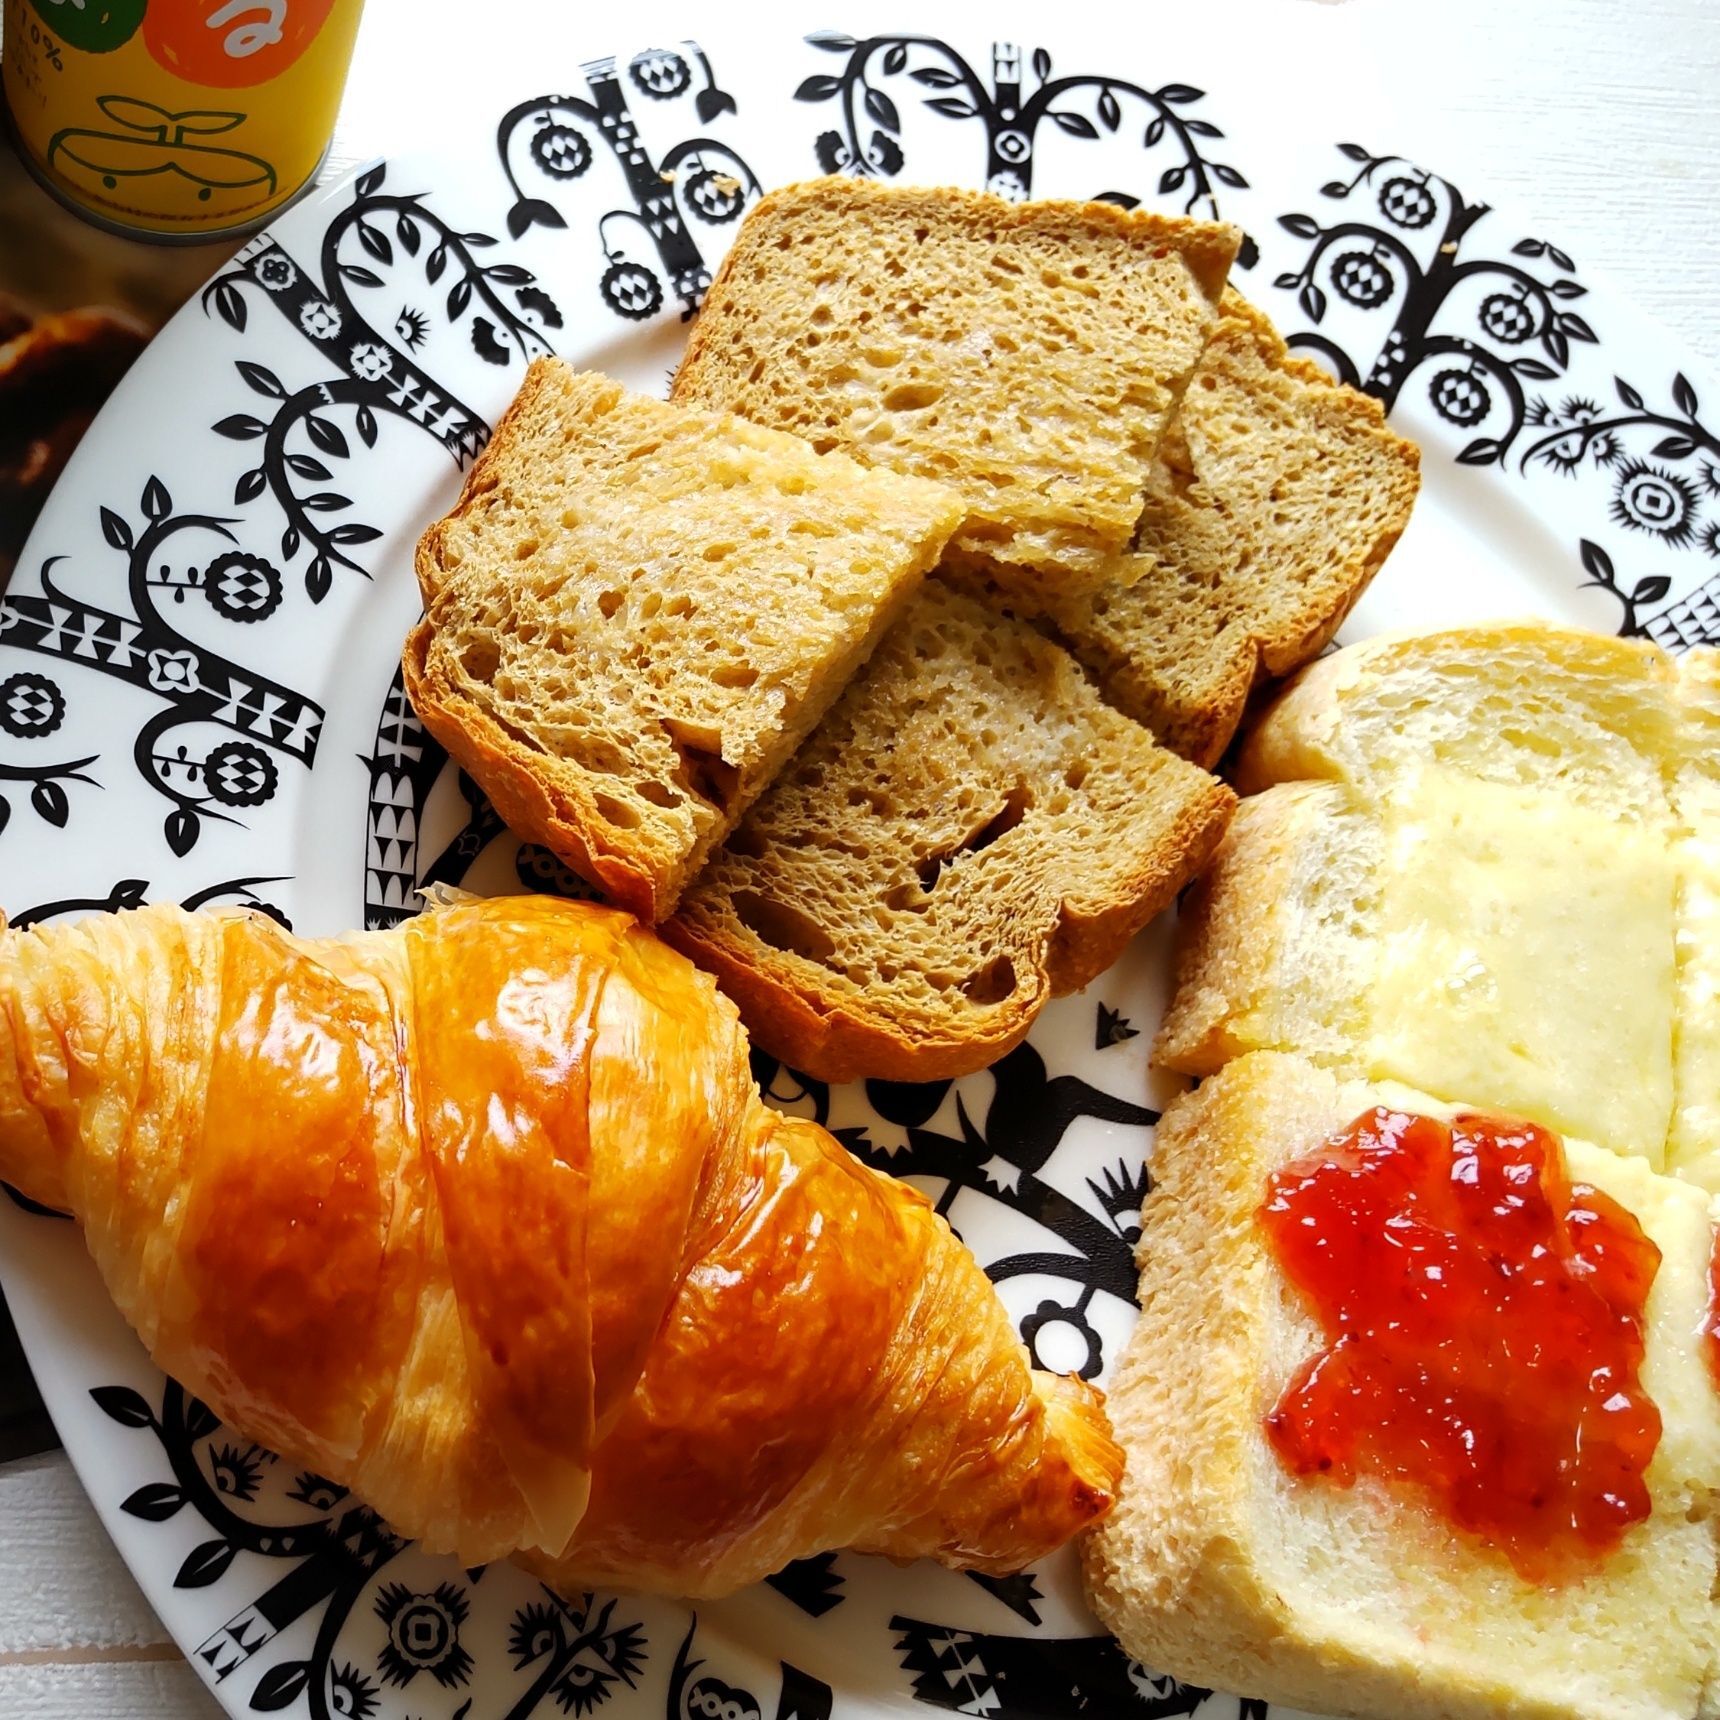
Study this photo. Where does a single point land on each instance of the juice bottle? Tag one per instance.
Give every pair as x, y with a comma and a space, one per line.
187, 119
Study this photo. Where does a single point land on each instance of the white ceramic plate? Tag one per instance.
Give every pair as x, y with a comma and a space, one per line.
199, 701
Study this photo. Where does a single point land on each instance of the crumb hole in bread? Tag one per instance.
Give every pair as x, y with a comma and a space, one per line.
718, 551
608, 602
525, 549
882, 357
616, 812
734, 674
702, 769
481, 658
1016, 805
912, 396
991, 983
1075, 775
784, 927
658, 793
747, 842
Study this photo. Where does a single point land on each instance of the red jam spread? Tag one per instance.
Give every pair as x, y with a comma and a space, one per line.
1484, 1332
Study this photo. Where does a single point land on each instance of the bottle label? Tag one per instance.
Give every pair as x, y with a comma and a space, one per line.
176, 116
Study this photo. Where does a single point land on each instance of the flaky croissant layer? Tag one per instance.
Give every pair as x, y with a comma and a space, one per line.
484, 1219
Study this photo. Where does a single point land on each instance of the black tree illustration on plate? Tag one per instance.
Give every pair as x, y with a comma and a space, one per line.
335, 1557
1011, 111
134, 892
1662, 469
503, 311
1029, 1113
1482, 324
215, 748
696, 1692
556, 139
1031, 1678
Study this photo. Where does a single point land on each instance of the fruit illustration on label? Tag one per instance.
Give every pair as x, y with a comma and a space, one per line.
230, 44
149, 142
93, 26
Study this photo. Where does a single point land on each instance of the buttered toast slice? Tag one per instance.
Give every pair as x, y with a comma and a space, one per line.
1275, 498
1693, 1143
1472, 938
1029, 355
1481, 860
637, 611
1223, 1567
970, 832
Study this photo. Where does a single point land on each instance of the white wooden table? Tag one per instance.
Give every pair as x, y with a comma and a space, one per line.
1596, 116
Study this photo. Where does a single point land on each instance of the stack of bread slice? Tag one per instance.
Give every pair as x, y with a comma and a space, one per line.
970, 832
1276, 496
636, 613
1476, 870
639, 613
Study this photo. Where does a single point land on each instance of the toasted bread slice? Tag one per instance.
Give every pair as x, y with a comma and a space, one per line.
1582, 714
1221, 1567
970, 832
1028, 355
1483, 942
1693, 1145
637, 611
1475, 886
1276, 497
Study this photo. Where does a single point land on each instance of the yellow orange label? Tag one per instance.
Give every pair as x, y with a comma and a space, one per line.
177, 116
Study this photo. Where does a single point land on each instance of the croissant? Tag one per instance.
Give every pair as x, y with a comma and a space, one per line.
483, 1218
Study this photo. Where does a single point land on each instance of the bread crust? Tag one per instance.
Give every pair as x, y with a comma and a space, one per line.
818, 1033
1301, 734
479, 744
1230, 942
525, 802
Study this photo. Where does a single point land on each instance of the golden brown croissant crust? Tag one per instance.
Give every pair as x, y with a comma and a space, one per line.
484, 1219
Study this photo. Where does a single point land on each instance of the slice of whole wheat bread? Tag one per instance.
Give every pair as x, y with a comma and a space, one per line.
968, 833
1028, 355
637, 611
1275, 499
